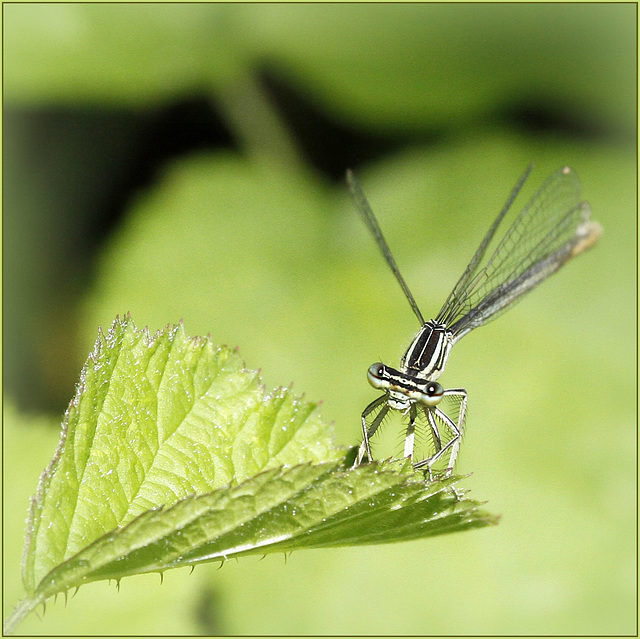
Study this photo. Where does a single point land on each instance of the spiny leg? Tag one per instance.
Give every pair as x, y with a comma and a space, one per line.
453, 446
368, 432
456, 437
435, 433
462, 416
437, 441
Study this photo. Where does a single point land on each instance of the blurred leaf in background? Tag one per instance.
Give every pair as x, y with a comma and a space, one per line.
186, 161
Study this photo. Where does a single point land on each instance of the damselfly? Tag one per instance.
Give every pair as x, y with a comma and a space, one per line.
550, 230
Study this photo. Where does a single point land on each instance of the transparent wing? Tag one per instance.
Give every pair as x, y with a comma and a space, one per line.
552, 228
370, 220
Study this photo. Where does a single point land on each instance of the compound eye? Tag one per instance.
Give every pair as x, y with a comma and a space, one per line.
435, 390
432, 394
376, 370
375, 375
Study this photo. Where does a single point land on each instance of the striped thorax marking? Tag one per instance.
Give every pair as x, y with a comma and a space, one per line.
427, 355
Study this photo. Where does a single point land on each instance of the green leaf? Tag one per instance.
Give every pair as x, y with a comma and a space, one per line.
306, 506
171, 455
154, 420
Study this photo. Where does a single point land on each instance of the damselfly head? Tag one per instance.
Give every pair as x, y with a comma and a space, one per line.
406, 389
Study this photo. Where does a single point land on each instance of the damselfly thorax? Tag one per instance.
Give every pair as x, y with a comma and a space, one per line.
552, 228
427, 355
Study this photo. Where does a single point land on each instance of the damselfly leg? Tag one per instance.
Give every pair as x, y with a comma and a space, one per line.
439, 429
452, 421
369, 431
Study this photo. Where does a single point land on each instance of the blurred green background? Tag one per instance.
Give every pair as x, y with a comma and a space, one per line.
187, 161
